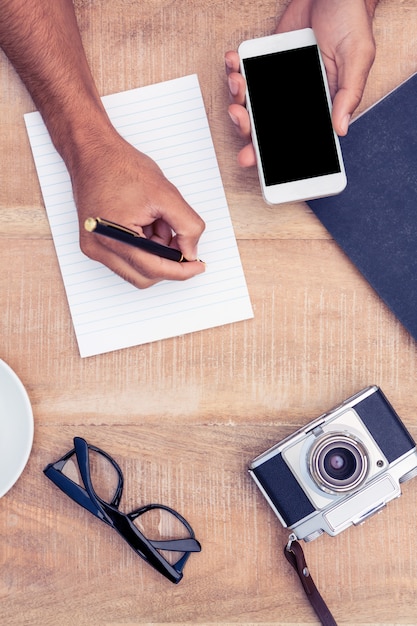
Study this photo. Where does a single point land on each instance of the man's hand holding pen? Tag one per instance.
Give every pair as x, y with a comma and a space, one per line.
118, 232
125, 186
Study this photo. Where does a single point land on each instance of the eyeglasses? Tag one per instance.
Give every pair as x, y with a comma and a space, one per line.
85, 465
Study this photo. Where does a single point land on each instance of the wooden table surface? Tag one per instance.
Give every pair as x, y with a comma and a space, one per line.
183, 417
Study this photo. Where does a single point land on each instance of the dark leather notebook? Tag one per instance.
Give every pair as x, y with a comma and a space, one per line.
374, 220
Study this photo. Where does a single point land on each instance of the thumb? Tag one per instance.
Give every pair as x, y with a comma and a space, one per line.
353, 71
186, 224
187, 228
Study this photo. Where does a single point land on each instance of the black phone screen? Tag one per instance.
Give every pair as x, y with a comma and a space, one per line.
291, 115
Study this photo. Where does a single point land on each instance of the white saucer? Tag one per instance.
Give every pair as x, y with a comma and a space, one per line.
16, 428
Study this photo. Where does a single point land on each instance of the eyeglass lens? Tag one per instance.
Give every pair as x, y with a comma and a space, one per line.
104, 476
158, 525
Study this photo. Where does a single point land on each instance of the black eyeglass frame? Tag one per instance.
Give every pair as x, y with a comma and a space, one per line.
109, 513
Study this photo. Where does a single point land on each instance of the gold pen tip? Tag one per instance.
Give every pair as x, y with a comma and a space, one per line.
90, 224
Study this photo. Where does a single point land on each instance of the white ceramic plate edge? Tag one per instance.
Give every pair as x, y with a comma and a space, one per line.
25, 446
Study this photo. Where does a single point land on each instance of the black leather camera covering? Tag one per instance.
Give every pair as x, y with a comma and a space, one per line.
385, 426
283, 490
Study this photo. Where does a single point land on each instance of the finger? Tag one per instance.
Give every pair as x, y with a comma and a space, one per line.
188, 227
240, 118
247, 157
353, 75
295, 17
237, 88
169, 208
159, 231
231, 61
184, 221
187, 244
137, 267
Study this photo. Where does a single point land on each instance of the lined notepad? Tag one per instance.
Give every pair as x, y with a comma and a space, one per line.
168, 122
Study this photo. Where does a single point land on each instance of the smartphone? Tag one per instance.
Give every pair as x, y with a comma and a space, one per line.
288, 100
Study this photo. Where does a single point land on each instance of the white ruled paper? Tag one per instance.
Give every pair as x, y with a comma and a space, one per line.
168, 122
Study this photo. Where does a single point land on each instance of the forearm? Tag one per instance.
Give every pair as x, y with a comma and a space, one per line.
42, 40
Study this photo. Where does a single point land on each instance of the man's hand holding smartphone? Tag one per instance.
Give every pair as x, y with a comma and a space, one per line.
344, 33
297, 150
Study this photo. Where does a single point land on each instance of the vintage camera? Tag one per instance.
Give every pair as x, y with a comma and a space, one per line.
340, 469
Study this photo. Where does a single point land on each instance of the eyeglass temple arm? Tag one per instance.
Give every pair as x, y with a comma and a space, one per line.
85, 497
144, 547
177, 545
188, 544
81, 451
75, 492
148, 549
194, 545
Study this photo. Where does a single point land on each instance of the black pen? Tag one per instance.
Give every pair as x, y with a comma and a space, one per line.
121, 233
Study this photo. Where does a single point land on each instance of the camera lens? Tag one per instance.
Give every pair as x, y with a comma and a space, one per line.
338, 462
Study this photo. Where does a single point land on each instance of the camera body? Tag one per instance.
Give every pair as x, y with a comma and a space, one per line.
339, 469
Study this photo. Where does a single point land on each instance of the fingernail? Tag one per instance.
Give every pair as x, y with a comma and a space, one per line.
233, 86
234, 118
228, 63
345, 123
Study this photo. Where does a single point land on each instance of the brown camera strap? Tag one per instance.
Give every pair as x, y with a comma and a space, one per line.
295, 556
